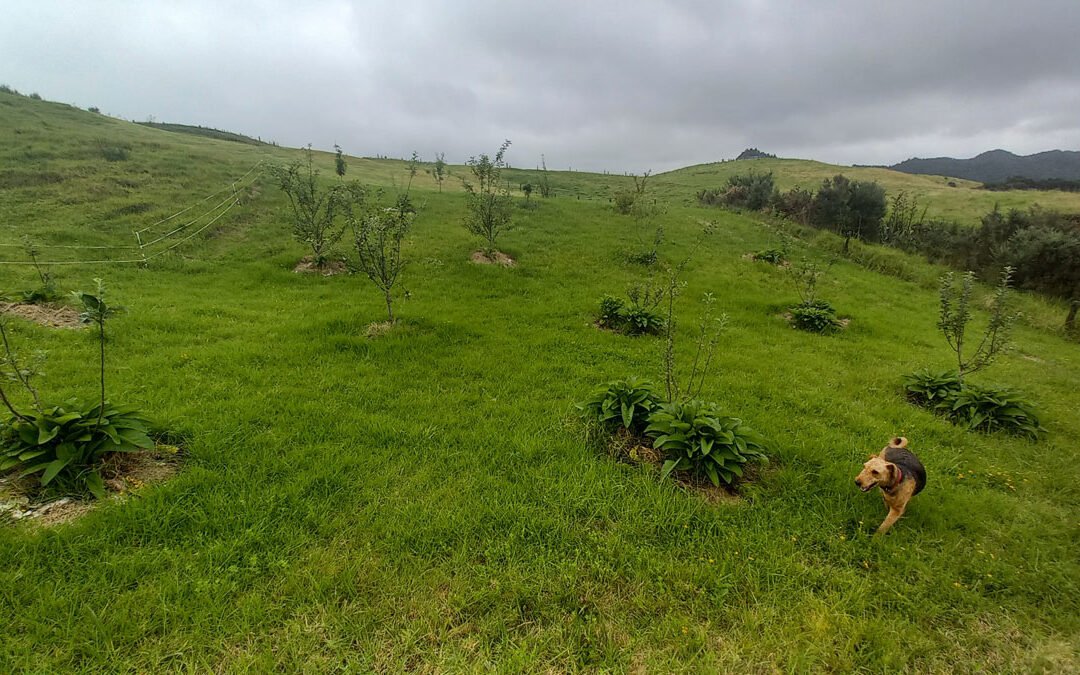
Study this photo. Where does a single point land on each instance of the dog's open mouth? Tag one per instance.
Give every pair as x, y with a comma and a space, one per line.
868, 488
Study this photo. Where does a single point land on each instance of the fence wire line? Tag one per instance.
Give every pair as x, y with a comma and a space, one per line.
142, 259
204, 199
197, 218
140, 246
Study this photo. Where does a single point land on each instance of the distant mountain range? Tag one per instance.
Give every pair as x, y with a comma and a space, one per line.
998, 165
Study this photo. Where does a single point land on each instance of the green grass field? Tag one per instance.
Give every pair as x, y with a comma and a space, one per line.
427, 500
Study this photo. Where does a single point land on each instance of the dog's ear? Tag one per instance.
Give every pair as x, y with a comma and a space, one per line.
891, 468
898, 442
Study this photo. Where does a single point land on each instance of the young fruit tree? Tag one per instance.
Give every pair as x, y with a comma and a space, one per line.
67, 441
378, 232
315, 208
438, 169
339, 161
489, 204
956, 314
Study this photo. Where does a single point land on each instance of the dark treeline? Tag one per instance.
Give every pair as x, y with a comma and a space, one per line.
1022, 183
1043, 246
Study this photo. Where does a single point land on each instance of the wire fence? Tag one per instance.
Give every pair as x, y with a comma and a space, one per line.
217, 211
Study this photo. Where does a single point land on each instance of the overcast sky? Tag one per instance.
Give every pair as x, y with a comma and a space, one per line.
592, 84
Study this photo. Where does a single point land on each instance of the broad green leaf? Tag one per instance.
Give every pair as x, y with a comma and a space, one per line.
95, 484
54, 467
669, 466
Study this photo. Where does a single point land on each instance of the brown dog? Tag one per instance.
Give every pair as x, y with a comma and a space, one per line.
898, 473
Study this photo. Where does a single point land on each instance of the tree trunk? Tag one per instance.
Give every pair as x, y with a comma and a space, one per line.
1070, 320
389, 307
101, 341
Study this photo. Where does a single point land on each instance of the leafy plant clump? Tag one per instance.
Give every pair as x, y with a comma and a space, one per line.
639, 316
694, 437
933, 390
71, 441
67, 441
773, 256
815, 317
977, 407
624, 404
611, 309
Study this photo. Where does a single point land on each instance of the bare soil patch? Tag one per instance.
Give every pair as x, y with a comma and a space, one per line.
328, 269
496, 258
53, 316
124, 473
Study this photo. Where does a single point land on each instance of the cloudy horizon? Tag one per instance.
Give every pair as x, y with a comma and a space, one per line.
598, 86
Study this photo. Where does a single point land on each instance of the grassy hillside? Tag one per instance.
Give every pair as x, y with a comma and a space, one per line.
965, 202
426, 500
204, 131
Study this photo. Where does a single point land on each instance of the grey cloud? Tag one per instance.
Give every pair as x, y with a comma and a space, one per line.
598, 85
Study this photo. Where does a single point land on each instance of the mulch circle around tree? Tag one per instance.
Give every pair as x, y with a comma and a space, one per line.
125, 473
497, 258
53, 316
329, 268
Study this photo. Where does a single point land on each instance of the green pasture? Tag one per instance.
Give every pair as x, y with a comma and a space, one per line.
428, 500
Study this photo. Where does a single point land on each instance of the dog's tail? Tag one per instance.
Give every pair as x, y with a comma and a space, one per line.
898, 442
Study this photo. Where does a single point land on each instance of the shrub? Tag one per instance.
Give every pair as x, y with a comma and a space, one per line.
623, 201
114, 153
622, 403
695, 437
752, 191
854, 209
819, 317
488, 200
794, 204
70, 441
611, 309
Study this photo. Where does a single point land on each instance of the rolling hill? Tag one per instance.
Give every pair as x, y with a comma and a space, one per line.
428, 498
996, 166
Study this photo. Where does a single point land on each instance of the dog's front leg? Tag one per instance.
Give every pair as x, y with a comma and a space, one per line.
894, 515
